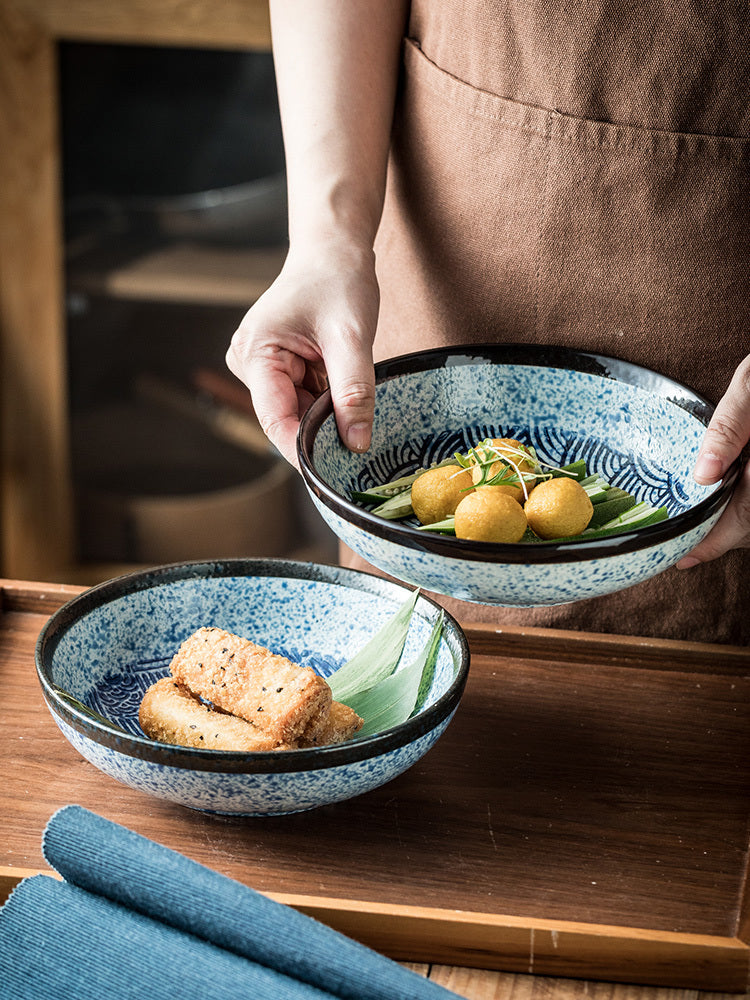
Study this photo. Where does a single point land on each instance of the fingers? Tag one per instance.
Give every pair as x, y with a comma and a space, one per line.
729, 429
726, 436
278, 397
731, 531
313, 328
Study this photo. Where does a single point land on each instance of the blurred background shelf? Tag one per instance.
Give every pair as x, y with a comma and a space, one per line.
143, 197
185, 272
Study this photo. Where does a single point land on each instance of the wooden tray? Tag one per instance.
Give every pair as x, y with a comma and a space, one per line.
586, 814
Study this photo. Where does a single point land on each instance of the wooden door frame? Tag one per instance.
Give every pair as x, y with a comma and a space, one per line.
36, 504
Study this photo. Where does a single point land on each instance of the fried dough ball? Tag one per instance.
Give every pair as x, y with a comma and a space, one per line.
558, 508
514, 492
490, 515
504, 446
436, 493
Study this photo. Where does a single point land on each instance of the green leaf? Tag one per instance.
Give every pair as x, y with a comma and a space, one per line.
90, 712
393, 699
378, 658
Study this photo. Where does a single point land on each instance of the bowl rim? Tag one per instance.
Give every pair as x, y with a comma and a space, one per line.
533, 355
240, 762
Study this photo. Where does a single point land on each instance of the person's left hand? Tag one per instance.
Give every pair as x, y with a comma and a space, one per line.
726, 436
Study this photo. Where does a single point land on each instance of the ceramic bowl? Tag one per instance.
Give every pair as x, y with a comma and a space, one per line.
638, 429
107, 645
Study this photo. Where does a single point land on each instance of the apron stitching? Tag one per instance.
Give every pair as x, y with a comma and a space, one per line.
542, 217
623, 137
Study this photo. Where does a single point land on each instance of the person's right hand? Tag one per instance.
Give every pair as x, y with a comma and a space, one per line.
313, 328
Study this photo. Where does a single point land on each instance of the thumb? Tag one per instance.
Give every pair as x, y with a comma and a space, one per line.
351, 379
728, 430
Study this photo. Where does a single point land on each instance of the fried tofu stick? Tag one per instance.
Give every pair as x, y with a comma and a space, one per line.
170, 714
249, 681
341, 723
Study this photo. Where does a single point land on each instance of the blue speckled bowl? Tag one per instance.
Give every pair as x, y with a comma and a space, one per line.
106, 646
638, 429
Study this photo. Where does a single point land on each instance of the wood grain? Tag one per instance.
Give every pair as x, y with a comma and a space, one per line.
586, 818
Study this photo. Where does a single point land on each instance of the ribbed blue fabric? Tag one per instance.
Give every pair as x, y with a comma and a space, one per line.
59, 941
127, 885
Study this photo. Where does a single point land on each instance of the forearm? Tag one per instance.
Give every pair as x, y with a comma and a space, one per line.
337, 68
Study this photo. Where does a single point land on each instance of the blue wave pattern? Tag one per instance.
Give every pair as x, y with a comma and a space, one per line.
118, 696
646, 480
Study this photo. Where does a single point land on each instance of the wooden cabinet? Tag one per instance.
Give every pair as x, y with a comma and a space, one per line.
36, 512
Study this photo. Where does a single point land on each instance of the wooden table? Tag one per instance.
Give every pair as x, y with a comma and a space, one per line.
583, 820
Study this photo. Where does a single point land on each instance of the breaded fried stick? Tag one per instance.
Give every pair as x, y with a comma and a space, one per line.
170, 714
238, 676
340, 724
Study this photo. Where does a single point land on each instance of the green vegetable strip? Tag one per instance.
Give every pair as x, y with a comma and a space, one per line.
376, 494
446, 527
396, 508
393, 699
607, 510
577, 470
637, 515
377, 659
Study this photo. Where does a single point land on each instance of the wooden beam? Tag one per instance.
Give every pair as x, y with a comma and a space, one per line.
231, 24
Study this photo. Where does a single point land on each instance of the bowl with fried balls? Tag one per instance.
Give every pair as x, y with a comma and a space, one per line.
517, 475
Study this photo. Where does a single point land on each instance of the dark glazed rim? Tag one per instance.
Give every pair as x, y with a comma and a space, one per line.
543, 552
225, 761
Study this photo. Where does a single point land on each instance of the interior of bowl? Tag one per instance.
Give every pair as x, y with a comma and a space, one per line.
108, 646
638, 430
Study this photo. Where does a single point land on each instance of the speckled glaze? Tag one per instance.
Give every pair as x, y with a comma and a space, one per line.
108, 645
636, 428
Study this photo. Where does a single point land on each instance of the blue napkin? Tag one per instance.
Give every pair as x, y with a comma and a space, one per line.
136, 919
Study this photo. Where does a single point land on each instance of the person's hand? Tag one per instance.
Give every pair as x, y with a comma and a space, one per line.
313, 328
726, 436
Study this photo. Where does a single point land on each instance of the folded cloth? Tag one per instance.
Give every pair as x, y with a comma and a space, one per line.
141, 885
58, 941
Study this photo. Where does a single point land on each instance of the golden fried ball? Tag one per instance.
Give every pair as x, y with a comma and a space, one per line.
490, 515
437, 493
515, 492
503, 446
558, 508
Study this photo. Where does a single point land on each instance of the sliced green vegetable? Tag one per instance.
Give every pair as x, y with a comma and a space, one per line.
393, 699
378, 658
608, 510
445, 527
615, 493
369, 498
383, 491
640, 514
396, 508
577, 470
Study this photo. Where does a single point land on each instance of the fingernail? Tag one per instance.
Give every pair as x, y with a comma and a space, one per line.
687, 562
358, 437
708, 468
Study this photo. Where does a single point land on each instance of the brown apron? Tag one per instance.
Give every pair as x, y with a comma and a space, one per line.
577, 174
